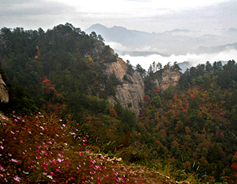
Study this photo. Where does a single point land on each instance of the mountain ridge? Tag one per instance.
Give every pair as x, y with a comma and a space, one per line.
168, 41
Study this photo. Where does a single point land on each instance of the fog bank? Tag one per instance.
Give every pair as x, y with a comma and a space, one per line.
193, 59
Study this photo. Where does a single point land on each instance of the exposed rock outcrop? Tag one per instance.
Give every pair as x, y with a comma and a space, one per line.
131, 92
168, 78
4, 96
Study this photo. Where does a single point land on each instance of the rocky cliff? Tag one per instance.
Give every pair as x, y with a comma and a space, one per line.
4, 96
131, 92
168, 78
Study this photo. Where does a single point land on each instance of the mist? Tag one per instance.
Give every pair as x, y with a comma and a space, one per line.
193, 59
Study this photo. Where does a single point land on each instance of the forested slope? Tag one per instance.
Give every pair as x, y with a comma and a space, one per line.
62, 71
194, 123
189, 129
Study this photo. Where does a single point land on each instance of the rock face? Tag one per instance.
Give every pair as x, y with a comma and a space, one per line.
168, 78
131, 92
4, 96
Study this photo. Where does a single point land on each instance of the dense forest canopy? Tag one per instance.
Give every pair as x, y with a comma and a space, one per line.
194, 123
191, 126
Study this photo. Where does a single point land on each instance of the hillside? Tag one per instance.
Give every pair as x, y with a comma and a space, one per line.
53, 65
135, 42
182, 125
32, 153
193, 124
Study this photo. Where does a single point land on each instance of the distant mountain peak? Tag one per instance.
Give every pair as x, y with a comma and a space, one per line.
232, 30
178, 31
118, 27
96, 27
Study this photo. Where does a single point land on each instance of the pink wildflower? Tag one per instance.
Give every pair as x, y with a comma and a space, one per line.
16, 178
14, 160
1, 168
59, 160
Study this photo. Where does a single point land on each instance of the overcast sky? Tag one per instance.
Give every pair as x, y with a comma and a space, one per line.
145, 15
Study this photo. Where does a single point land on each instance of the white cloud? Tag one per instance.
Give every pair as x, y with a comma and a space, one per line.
117, 46
194, 59
133, 9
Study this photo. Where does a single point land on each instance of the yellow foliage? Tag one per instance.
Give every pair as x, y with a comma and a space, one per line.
37, 47
91, 60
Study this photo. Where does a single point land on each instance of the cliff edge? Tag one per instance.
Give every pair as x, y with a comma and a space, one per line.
168, 78
4, 96
131, 92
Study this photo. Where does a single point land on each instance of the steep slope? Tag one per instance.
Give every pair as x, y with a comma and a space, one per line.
169, 78
63, 61
131, 92
130, 85
4, 96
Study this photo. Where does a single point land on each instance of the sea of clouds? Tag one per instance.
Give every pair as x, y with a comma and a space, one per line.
192, 58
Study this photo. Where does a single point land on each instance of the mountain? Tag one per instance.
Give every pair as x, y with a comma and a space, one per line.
178, 31
96, 71
177, 41
184, 124
4, 95
232, 30
216, 49
118, 34
138, 40
195, 122
184, 65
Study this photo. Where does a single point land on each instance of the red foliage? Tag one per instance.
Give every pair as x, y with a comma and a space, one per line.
234, 159
187, 164
142, 113
143, 126
113, 112
158, 89
234, 167
192, 96
170, 111
145, 97
163, 133
45, 81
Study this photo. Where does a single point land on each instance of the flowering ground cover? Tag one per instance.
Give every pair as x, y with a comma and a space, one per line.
45, 149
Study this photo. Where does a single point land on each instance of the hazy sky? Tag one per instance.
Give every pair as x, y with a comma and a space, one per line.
144, 15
